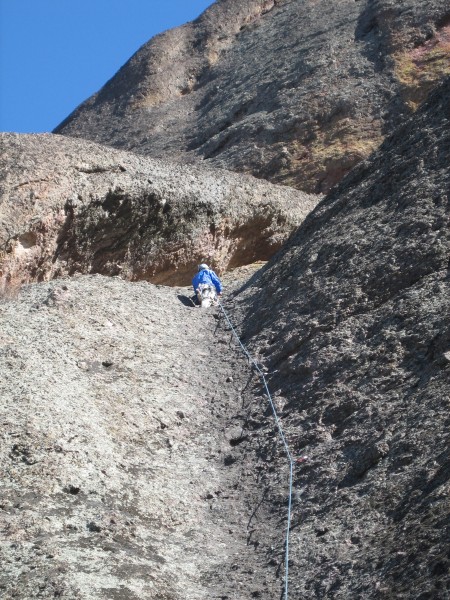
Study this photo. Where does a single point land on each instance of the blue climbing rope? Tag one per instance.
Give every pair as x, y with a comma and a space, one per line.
283, 437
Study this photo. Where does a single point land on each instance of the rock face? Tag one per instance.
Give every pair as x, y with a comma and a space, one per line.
293, 91
351, 320
125, 469
70, 206
138, 455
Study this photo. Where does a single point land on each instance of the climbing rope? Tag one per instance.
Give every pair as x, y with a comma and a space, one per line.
283, 437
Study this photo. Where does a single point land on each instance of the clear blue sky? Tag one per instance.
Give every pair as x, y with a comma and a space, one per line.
56, 53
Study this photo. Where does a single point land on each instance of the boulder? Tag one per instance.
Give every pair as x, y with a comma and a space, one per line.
71, 206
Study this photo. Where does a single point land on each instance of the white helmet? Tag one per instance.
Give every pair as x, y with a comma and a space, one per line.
202, 267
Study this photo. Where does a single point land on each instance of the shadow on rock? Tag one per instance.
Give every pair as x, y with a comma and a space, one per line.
186, 301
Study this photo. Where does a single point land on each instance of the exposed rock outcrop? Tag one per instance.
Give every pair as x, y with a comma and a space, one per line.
293, 91
124, 470
70, 206
352, 321
138, 455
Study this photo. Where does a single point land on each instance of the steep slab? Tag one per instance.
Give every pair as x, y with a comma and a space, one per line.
352, 321
125, 472
70, 206
294, 91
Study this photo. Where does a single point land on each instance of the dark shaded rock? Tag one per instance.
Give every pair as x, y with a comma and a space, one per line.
72, 489
291, 91
229, 460
352, 319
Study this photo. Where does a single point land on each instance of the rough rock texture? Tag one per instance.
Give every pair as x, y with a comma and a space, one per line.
352, 321
294, 91
138, 456
131, 451
69, 206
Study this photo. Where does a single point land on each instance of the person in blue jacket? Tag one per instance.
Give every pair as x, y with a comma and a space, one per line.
206, 275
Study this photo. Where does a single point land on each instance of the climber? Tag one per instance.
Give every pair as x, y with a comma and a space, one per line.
206, 276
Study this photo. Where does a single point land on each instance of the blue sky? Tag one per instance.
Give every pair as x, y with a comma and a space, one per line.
56, 53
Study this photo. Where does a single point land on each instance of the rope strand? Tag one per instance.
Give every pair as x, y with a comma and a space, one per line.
282, 436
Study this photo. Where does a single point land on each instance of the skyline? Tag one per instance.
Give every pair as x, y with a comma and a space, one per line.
55, 54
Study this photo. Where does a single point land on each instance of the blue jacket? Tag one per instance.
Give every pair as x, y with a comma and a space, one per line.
207, 276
